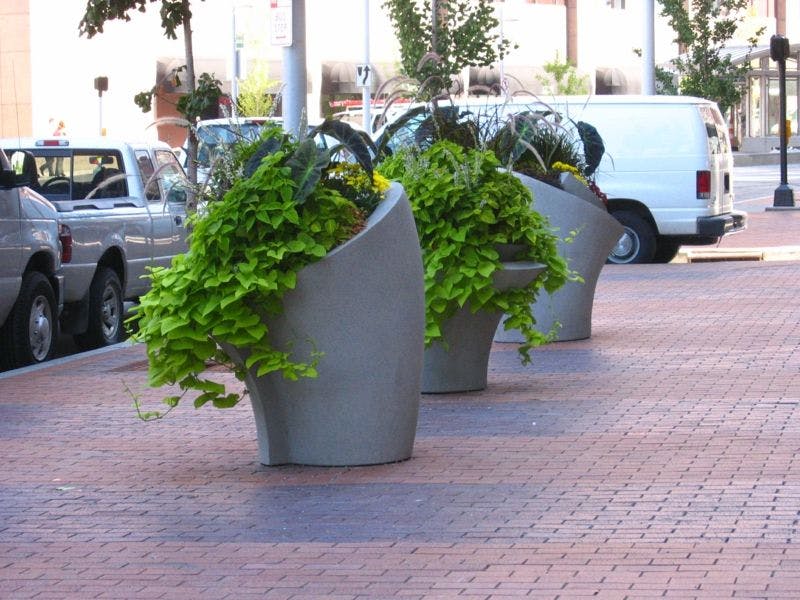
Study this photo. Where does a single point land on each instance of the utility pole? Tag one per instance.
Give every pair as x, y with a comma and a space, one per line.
366, 92
294, 70
648, 49
572, 32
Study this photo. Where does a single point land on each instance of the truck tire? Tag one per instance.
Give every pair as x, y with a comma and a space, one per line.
637, 243
666, 249
29, 334
105, 312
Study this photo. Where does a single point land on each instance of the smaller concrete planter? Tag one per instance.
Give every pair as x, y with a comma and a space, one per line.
598, 231
363, 307
461, 365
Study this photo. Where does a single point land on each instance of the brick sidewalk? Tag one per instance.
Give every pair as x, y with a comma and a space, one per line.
657, 458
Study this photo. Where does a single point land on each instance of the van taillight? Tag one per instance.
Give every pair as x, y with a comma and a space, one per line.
703, 185
65, 237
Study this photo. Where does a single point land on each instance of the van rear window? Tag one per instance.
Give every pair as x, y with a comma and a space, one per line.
716, 132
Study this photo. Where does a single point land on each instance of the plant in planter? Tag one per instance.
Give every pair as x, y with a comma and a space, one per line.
485, 250
557, 164
284, 283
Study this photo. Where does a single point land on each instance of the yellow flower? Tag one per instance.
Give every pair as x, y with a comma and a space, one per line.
565, 168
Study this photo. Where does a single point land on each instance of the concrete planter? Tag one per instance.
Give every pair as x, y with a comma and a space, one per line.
363, 307
597, 233
461, 365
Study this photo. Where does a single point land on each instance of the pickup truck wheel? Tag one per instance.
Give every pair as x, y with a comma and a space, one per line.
637, 244
105, 312
29, 333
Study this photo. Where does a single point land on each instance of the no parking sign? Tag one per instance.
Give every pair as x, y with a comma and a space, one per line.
280, 22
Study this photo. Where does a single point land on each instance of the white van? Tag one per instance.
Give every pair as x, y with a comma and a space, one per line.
667, 169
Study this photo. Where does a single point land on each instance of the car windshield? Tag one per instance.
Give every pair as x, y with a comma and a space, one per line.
211, 136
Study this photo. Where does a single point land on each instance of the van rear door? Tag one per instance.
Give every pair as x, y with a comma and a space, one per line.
720, 193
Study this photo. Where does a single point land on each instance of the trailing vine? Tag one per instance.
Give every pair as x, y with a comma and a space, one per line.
290, 208
465, 206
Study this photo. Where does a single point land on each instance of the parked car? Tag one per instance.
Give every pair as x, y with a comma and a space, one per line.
123, 205
31, 282
667, 167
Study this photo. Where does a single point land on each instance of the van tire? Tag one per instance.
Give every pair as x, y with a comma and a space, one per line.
30, 332
666, 249
637, 244
106, 325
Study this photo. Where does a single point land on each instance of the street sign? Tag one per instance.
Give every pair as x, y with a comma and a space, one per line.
364, 76
280, 22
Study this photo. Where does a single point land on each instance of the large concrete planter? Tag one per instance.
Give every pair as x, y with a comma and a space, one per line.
598, 231
363, 307
461, 364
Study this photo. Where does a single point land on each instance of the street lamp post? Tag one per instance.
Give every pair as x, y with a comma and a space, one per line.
779, 51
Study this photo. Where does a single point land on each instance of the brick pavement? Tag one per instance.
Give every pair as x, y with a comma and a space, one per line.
656, 459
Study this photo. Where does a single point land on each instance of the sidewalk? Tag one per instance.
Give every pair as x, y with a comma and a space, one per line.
657, 458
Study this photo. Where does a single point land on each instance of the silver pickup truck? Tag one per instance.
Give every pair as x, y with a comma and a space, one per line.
123, 206
31, 285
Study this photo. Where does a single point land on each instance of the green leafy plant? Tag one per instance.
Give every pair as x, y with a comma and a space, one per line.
289, 208
563, 78
466, 207
254, 99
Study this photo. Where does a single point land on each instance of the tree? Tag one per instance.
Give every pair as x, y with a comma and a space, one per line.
174, 14
704, 27
455, 33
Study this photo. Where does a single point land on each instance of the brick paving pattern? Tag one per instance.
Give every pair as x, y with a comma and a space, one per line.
656, 459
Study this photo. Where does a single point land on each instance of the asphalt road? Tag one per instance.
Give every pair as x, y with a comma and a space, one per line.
752, 183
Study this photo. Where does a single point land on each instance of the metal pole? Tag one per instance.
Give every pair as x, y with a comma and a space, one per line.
366, 95
784, 195
234, 63
502, 39
648, 50
294, 71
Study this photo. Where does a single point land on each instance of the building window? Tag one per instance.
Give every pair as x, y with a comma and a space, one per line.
620, 4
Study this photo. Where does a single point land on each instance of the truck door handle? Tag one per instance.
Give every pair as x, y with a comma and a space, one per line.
178, 220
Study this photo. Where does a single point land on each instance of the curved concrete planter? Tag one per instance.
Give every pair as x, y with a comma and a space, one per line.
598, 231
462, 364
363, 307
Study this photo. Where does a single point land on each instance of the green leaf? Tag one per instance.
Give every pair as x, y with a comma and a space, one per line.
307, 164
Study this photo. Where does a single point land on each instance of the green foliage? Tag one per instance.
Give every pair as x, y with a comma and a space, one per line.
244, 254
563, 79
438, 39
707, 70
537, 144
465, 206
203, 100
174, 13
253, 99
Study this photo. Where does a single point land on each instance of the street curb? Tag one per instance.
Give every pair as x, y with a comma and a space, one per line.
65, 359
776, 253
